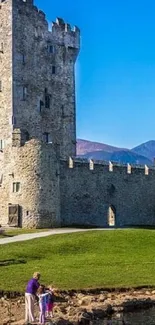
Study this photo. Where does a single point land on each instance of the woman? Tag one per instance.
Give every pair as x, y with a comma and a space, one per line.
30, 295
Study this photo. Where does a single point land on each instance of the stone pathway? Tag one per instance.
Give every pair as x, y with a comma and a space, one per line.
23, 237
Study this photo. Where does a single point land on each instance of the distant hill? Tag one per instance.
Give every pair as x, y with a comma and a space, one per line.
84, 146
101, 151
146, 149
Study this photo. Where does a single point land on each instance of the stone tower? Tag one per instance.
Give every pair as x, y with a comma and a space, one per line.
37, 112
37, 93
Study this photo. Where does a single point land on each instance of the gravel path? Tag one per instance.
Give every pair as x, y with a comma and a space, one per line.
23, 237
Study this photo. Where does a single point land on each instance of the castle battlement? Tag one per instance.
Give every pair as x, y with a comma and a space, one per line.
109, 166
25, 2
61, 31
66, 34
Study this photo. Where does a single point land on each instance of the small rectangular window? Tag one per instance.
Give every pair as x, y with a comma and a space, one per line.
53, 69
46, 137
16, 187
47, 101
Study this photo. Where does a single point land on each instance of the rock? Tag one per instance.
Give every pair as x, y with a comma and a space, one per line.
102, 298
109, 310
99, 313
85, 318
85, 301
84, 321
87, 315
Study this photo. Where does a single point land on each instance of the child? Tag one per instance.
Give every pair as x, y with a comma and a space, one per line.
50, 302
42, 303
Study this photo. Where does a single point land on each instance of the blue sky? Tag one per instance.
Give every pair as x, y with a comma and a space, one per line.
115, 71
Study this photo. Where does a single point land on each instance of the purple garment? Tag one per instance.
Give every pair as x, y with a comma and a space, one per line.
32, 286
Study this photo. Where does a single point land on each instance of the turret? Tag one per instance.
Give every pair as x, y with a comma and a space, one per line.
37, 85
66, 35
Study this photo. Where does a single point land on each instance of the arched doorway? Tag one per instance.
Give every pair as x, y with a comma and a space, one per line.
111, 216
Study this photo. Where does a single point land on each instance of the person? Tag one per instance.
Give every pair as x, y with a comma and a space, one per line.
30, 295
50, 301
42, 303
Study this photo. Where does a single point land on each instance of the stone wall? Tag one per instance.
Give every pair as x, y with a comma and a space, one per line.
33, 167
87, 195
5, 72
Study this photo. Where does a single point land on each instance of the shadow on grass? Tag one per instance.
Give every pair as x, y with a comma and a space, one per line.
80, 226
140, 227
107, 227
11, 262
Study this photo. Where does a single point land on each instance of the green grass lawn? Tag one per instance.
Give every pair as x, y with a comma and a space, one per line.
94, 259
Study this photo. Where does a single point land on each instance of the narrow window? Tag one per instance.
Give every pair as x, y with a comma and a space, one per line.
16, 187
41, 105
47, 101
128, 169
110, 166
71, 163
0, 85
46, 137
24, 93
53, 69
62, 111
26, 136
1, 144
91, 165
13, 120
1, 48
50, 49
23, 58
111, 216
1, 179
146, 170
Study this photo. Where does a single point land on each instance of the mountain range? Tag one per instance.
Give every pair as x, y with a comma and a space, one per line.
141, 155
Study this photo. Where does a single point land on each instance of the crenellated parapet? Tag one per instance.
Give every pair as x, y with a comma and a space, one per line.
111, 167
65, 34
61, 32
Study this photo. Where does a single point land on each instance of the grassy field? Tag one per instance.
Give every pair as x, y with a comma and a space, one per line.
95, 259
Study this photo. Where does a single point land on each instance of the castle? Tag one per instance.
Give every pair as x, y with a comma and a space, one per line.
42, 182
